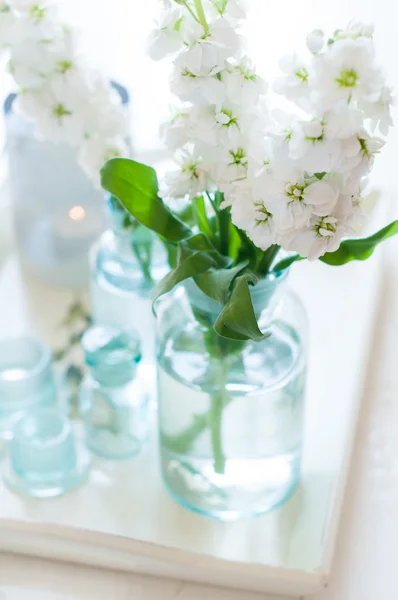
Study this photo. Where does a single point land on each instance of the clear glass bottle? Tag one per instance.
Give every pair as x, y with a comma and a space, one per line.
125, 264
231, 412
114, 402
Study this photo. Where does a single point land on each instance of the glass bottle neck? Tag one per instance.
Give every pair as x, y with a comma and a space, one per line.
113, 377
265, 297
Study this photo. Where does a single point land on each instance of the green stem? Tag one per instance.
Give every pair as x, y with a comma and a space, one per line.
218, 403
145, 263
212, 202
224, 221
216, 411
201, 14
189, 9
212, 420
267, 260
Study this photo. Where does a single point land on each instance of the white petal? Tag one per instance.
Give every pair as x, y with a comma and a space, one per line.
320, 194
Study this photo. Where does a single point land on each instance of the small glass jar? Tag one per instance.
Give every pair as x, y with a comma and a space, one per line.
125, 264
26, 380
45, 459
231, 412
114, 402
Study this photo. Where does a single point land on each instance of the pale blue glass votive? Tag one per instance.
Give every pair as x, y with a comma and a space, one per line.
45, 458
114, 401
26, 380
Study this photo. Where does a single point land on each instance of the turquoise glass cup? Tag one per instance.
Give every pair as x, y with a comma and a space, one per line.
45, 458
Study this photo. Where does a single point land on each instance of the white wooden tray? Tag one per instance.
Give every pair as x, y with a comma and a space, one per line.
124, 519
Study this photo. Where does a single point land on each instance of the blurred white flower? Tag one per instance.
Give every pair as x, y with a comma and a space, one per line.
380, 111
242, 85
166, 38
68, 101
94, 153
177, 131
58, 117
294, 84
198, 90
190, 178
347, 71
315, 41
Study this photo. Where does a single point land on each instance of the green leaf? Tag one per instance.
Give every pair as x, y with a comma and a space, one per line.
171, 250
186, 214
201, 217
234, 241
237, 320
136, 186
248, 250
220, 5
286, 262
267, 258
216, 283
202, 243
359, 249
194, 256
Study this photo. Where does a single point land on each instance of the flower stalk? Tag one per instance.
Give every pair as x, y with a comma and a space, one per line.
201, 15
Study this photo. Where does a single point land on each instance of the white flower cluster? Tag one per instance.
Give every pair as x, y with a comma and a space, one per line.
68, 101
293, 180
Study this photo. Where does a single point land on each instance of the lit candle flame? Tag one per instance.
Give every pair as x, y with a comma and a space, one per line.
77, 213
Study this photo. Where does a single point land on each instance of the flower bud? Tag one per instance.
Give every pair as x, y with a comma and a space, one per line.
315, 41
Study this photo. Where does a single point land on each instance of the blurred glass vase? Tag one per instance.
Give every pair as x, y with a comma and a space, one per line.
58, 212
231, 412
126, 262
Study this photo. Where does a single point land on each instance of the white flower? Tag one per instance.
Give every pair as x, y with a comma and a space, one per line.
11, 28
235, 9
166, 38
242, 85
252, 216
68, 101
198, 90
293, 198
33, 62
191, 177
216, 126
60, 117
310, 146
347, 71
38, 20
295, 83
380, 111
177, 131
343, 121
30, 6
322, 234
315, 41
94, 153
229, 165
207, 53
355, 29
